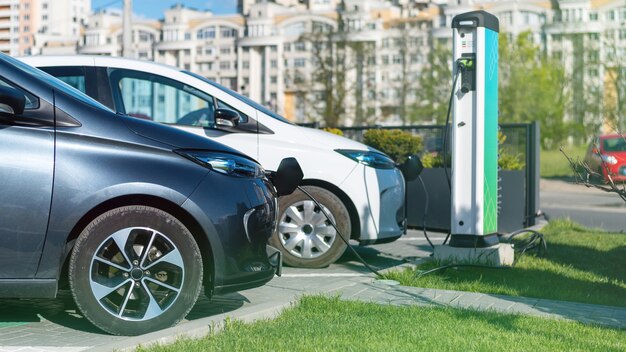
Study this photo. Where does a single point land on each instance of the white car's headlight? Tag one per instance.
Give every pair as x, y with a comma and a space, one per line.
370, 158
224, 163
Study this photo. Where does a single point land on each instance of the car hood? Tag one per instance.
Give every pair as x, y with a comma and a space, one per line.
332, 141
175, 137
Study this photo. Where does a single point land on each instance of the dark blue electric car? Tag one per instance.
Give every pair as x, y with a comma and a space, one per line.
135, 216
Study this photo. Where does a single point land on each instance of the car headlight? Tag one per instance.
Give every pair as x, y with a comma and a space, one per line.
609, 159
224, 163
370, 158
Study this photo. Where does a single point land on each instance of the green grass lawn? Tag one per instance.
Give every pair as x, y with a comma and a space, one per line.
328, 324
554, 165
581, 265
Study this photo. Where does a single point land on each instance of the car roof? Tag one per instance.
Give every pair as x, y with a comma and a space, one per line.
612, 136
90, 60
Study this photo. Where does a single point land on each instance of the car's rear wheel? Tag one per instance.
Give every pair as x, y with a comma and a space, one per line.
135, 269
304, 235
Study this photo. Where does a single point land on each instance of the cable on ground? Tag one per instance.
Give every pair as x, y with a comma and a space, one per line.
346, 241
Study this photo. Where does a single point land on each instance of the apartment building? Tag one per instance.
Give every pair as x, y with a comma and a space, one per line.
103, 35
42, 26
270, 50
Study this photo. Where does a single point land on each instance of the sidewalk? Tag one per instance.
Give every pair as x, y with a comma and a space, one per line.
56, 325
283, 292
382, 293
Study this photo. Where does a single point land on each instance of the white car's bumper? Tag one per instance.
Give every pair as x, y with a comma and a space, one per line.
379, 198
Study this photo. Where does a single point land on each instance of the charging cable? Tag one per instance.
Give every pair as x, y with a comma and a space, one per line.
346, 241
460, 68
426, 201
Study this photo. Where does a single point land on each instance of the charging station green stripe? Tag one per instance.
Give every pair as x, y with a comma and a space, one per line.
490, 202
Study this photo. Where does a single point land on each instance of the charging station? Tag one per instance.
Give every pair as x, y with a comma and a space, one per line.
474, 132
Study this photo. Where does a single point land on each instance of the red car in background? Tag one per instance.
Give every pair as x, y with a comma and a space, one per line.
610, 159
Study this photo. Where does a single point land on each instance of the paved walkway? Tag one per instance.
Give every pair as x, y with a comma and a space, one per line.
383, 293
56, 325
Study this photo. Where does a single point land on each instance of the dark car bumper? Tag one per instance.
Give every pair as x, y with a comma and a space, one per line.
237, 216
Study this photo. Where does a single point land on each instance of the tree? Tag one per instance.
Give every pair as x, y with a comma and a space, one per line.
532, 87
615, 84
339, 66
434, 86
408, 40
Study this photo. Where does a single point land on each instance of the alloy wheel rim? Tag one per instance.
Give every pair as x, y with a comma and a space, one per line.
305, 232
136, 274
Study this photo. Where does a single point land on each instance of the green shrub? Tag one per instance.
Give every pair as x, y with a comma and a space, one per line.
333, 131
395, 143
432, 160
506, 161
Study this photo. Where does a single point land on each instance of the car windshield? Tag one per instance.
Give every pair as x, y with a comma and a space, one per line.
242, 98
53, 82
616, 144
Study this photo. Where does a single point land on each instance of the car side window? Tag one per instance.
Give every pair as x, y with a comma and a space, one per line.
161, 99
32, 102
72, 75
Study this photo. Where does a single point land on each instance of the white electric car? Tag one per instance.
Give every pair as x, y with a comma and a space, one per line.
361, 188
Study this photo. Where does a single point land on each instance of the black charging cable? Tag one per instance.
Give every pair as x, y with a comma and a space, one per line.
346, 241
426, 201
460, 69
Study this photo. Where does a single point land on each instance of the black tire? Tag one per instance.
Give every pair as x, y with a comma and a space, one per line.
319, 258
155, 240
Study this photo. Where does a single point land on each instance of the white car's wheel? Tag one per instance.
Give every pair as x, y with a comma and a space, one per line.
304, 235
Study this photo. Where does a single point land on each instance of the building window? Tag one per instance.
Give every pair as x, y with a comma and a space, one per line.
319, 27
274, 63
300, 46
593, 16
227, 32
245, 65
397, 59
594, 36
206, 32
273, 80
225, 65
287, 47
294, 30
225, 50
273, 48
385, 59
299, 62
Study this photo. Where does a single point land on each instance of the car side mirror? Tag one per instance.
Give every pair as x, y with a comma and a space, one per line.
12, 101
288, 176
411, 168
226, 118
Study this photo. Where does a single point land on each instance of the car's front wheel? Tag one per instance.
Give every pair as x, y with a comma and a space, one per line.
304, 235
135, 269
